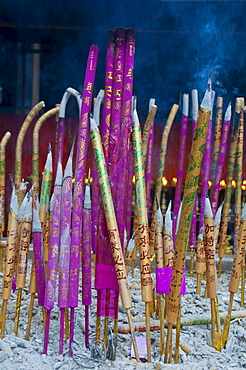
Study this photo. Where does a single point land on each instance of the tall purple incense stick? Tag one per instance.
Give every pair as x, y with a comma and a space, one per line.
53, 251
194, 121
220, 163
38, 252
181, 161
65, 244
86, 259
81, 155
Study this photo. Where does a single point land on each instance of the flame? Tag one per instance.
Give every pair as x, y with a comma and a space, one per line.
134, 179
223, 183
164, 181
233, 183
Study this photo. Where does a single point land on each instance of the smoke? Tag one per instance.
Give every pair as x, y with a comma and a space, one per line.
178, 44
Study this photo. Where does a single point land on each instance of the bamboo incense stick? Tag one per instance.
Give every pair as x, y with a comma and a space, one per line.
3, 144
161, 167
239, 170
186, 212
143, 237
20, 140
23, 257
221, 157
35, 152
226, 208
235, 273
10, 257
181, 161
218, 126
112, 226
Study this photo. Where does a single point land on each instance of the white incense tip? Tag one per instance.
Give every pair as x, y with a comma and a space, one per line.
36, 224
159, 218
69, 166
194, 104
23, 207
185, 104
243, 216
87, 198
212, 103
93, 124
179, 215
151, 103
207, 100
23, 185
135, 120
28, 211
48, 163
168, 218
52, 202
96, 110
218, 214
228, 113
209, 86
14, 201
208, 209
58, 180
131, 243
201, 232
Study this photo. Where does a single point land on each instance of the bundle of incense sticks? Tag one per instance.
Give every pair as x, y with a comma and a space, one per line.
116, 131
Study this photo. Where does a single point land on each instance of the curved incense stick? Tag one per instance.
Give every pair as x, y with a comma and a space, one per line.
35, 152
3, 144
20, 139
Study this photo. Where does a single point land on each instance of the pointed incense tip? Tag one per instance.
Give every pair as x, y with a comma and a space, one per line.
201, 232
208, 209
36, 224
218, 214
58, 180
151, 103
87, 197
228, 113
48, 163
243, 216
69, 166
209, 86
195, 106
168, 218
14, 201
97, 105
207, 101
23, 185
135, 120
93, 124
159, 218
23, 207
28, 210
185, 105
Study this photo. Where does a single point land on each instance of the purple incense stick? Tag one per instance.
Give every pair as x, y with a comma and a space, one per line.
86, 259
181, 161
38, 253
51, 275
65, 244
220, 163
125, 134
81, 155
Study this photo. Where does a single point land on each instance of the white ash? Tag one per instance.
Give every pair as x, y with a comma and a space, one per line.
17, 353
